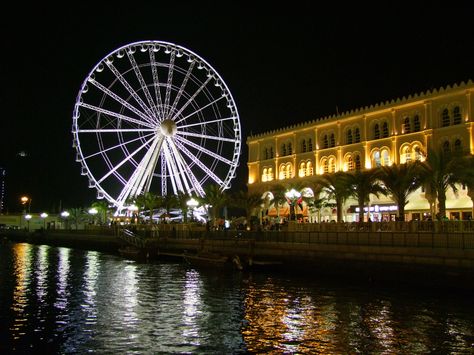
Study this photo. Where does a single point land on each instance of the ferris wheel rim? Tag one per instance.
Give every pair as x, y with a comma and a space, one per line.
233, 161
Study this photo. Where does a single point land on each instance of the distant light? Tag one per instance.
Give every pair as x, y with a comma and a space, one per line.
65, 214
43, 215
22, 153
28, 216
93, 210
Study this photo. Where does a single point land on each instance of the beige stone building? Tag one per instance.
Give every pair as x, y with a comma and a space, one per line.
386, 133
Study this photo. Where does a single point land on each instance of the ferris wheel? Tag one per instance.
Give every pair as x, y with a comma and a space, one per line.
154, 116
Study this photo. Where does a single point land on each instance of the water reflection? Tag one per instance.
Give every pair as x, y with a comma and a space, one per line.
191, 303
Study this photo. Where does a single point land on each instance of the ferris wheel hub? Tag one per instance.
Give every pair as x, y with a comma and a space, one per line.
168, 128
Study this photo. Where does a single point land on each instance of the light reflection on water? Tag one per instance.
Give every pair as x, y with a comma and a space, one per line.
72, 301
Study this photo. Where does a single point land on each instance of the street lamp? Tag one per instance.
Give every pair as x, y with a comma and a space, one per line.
65, 215
93, 211
28, 217
292, 197
44, 215
192, 204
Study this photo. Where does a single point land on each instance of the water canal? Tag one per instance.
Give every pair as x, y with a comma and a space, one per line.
62, 300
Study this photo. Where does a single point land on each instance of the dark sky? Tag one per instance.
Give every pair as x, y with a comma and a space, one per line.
283, 66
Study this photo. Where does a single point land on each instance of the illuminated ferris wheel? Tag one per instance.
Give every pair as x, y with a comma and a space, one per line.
154, 116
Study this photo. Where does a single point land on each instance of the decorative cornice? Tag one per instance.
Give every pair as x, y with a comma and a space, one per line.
366, 109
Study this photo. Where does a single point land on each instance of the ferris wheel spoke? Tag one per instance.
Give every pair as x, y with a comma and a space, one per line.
169, 82
199, 163
124, 160
143, 172
131, 91
115, 130
191, 99
199, 110
156, 83
180, 166
204, 150
183, 85
115, 114
124, 144
222, 139
164, 185
143, 84
203, 123
186, 170
120, 100
174, 177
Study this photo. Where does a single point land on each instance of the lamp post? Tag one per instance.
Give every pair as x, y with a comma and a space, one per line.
44, 215
192, 204
65, 215
292, 197
28, 217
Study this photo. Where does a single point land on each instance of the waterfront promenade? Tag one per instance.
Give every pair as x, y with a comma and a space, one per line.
443, 250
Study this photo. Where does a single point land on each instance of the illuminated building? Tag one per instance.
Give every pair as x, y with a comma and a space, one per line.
386, 133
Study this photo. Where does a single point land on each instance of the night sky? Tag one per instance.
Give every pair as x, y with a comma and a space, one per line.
283, 66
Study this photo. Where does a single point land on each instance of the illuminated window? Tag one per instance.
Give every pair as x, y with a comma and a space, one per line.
332, 165
310, 145
349, 136
357, 162
385, 130
270, 174
445, 120
457, 115
385, 157
357, 135
406, 125
332, 140
264, 175
376, 131
376, 159
309, 168
407, 154
302, 170
416, 123
417, 151
325, 166
288, 171
350, 163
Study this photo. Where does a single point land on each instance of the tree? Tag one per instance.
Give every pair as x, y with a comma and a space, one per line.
76, 216
248, 202
363, 184
337, 187
182, 202
214, 200
399, 181
279, 199
442, 170
103, 209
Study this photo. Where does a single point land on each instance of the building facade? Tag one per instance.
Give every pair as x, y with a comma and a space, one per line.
388, 133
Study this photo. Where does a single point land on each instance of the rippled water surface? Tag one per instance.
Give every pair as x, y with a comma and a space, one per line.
60, 300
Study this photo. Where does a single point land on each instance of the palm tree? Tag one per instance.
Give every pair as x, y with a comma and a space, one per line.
399, 181
442, 170
279, 199
336, 187
214, 199
182, 200
103, 208
248, 202
76, 216
363, 184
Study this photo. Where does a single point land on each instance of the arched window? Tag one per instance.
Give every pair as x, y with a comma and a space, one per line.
266, 153
457, 115
376, 131
385, 130
407, 154
445, 120
303, 146
288, 172
349, 136
416, 123
310, 145
309, 168
357, 162
325, 166
332, 140
325, 141
446, 147
417, 152
350, 163
283, 150
332, 165
357, 135
302, 170
281, 173
264, 174
385, 157
376, 159
457, 146
406, 125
